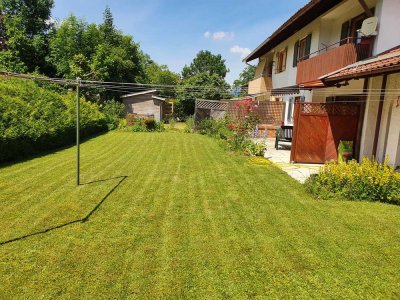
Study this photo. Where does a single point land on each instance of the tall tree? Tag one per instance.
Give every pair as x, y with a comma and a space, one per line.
108, 28
73, 41
200, 86
26, 25
208, 63
161, 75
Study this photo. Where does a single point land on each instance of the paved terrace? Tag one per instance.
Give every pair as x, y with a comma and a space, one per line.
281, 158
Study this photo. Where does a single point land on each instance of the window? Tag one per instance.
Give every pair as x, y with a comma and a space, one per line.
281, 61
302, 50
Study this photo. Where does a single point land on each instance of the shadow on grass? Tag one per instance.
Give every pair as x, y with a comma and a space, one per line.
82, 220
42, 153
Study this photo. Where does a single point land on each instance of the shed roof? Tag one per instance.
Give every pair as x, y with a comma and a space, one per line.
385, 62
300, 19
139, 93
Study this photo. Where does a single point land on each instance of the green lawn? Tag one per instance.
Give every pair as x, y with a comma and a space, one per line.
172, 215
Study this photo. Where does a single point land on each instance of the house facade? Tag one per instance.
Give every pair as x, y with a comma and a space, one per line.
321, 38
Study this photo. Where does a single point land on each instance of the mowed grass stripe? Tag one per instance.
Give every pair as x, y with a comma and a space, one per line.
189, 221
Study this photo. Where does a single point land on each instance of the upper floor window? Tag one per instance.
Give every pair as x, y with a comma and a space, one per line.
349, 30
302, 50
281, 57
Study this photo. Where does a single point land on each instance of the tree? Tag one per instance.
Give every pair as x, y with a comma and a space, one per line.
108, 28
73, 38
78, 49
245, 77
25, 28
200, 86
161, 75
206, 62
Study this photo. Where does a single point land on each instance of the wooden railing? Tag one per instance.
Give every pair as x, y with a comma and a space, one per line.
260, 85
309, 70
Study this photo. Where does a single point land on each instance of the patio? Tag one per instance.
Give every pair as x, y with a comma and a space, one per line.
281, 158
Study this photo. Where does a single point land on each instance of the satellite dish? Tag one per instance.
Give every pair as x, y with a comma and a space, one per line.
369, 26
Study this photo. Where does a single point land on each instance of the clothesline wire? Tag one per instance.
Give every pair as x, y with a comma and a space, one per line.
126, 87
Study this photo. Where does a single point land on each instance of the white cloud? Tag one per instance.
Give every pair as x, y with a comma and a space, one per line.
219, 35
239, 50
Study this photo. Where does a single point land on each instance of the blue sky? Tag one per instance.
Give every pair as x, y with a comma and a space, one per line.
173, 31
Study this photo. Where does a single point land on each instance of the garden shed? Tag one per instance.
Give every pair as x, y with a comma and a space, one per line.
145, 103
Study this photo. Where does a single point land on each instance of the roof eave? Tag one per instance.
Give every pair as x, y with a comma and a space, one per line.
335, 80
299, 20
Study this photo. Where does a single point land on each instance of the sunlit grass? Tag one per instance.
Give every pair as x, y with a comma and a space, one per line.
189, 221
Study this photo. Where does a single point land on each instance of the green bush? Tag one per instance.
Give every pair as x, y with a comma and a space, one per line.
139, 124
113, 112
251, 148
34, 118
237, 140
368, 180
189, 125
150, 124
214, 128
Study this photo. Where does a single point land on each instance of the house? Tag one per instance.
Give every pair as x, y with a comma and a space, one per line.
320, 39
381, 125
146, 103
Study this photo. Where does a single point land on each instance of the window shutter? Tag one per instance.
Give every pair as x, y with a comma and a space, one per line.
308, 46
284, 58
295, 54
344, 34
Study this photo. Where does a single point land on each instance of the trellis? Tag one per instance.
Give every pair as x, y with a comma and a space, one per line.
268, 112
213, 109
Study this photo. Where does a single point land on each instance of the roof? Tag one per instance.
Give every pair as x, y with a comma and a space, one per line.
300, 19
139, 93
158, 98
385, 62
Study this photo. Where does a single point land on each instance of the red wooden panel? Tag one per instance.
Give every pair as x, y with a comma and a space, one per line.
311, 69
319, 127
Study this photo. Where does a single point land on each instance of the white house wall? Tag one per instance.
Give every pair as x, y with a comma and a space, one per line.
392, 142
388, 12
370, 116
389, 133
288, 77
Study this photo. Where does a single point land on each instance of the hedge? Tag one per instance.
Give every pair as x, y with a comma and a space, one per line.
35, 118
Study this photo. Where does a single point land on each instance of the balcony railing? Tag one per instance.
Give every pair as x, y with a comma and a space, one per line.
330, 59
260, 85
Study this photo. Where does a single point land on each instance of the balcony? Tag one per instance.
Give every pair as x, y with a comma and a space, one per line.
328, 60
260, 85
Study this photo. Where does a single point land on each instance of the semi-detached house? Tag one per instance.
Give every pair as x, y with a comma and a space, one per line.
321, 60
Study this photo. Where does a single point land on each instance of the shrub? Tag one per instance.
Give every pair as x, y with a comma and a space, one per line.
113, 112
214, 128
368, 180
34, 118
254, 149
150, 124
235, 132
189, 125
140, 124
